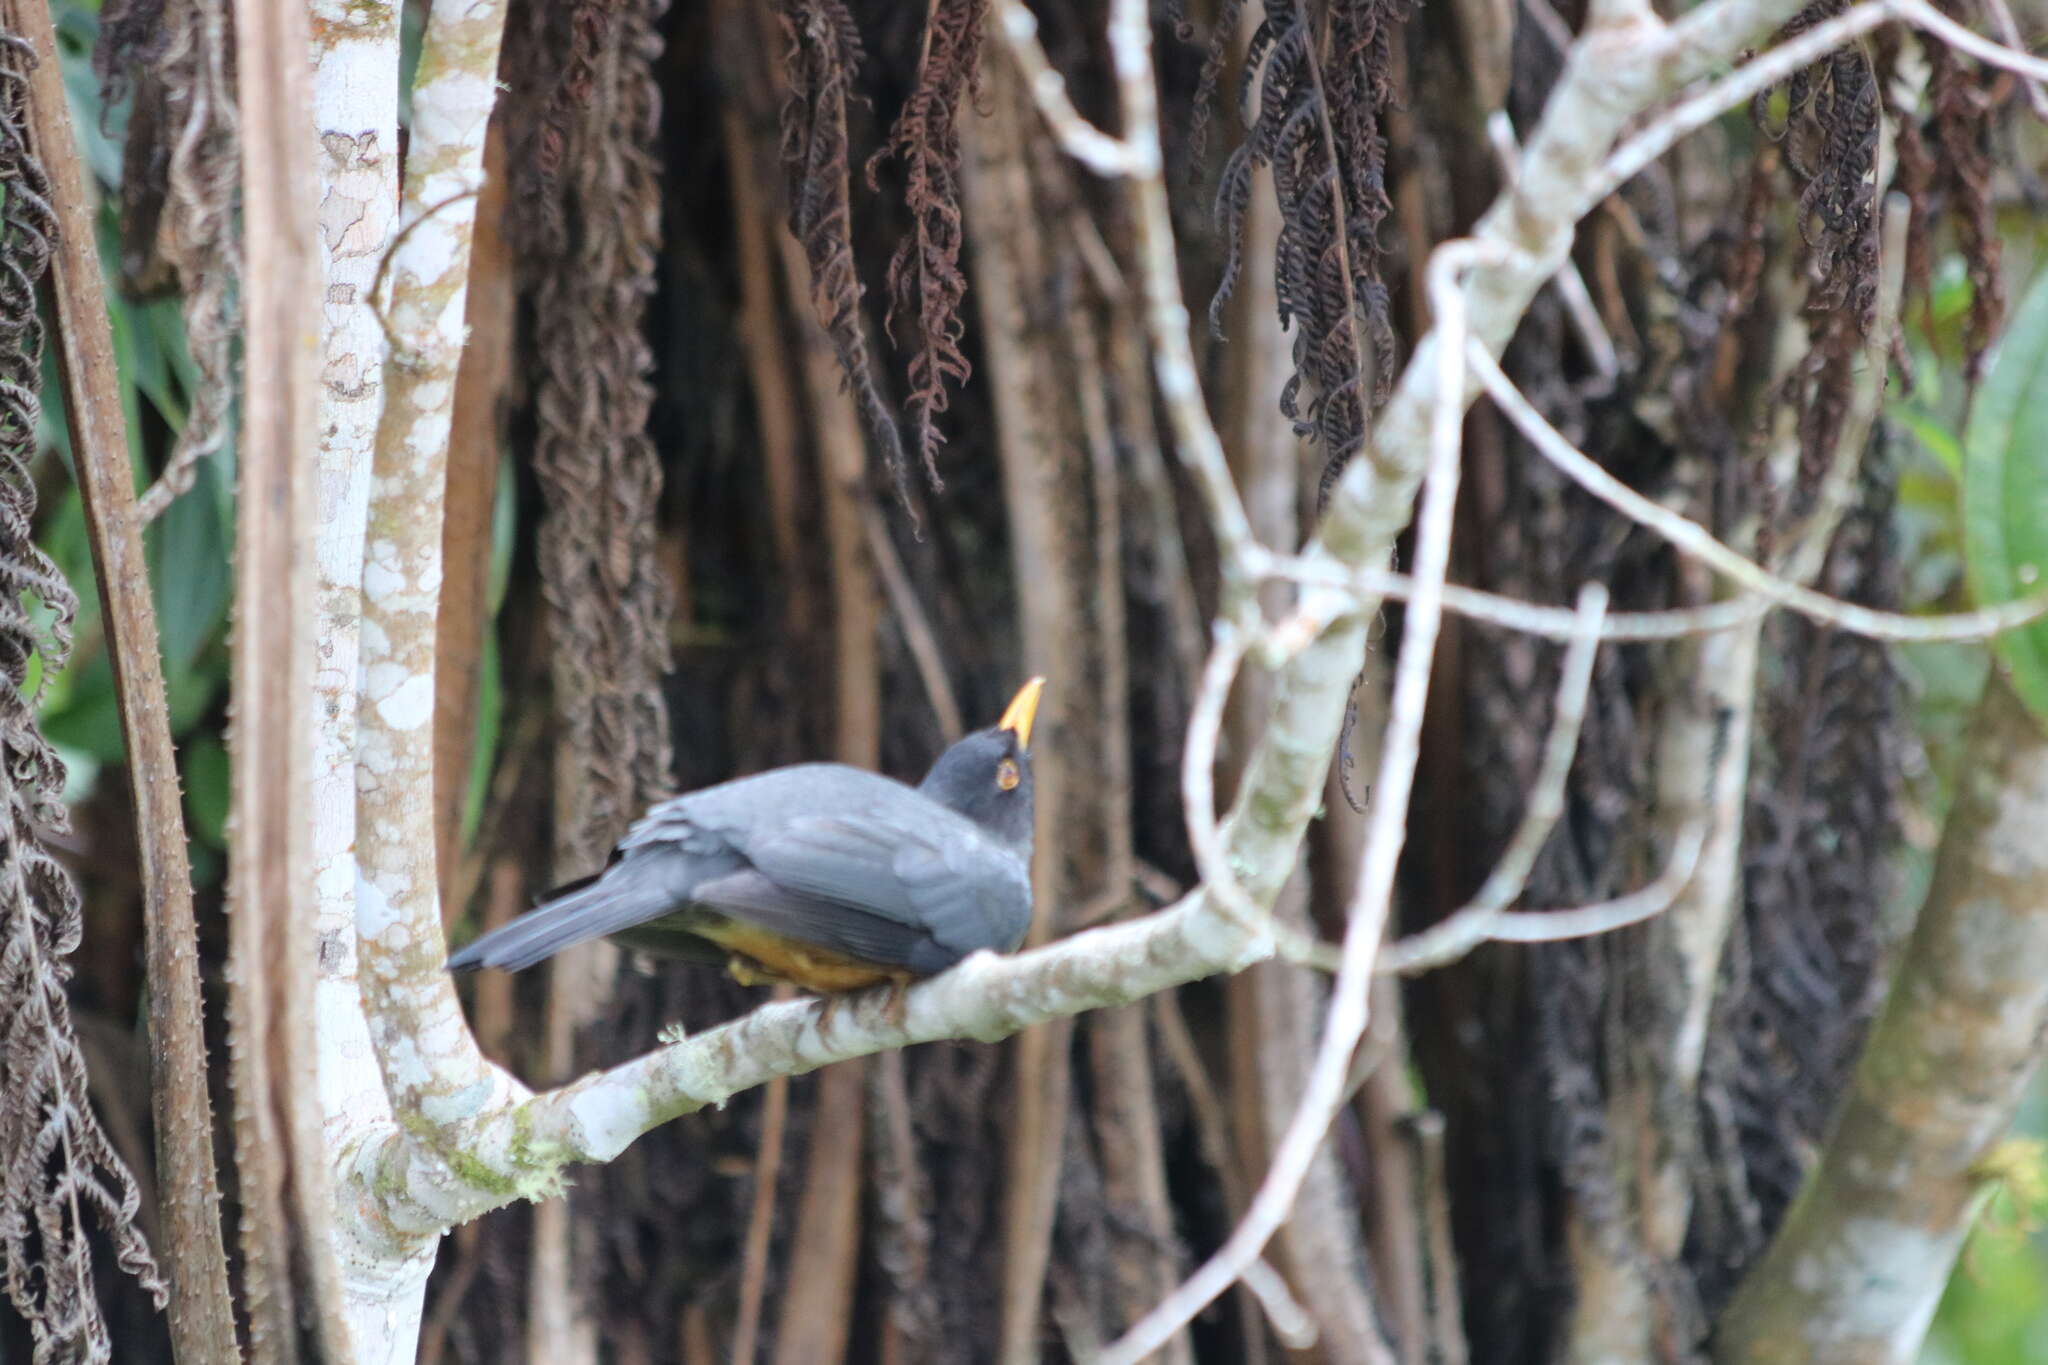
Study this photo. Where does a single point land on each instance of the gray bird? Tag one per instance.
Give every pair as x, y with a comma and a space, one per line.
819, 874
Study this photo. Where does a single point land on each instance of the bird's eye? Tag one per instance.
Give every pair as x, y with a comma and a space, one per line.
1007, 776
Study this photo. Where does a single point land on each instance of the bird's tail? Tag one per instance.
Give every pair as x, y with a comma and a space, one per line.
628, 892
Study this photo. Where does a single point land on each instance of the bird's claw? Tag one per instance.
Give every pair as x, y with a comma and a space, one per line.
895, 1005
897, 1009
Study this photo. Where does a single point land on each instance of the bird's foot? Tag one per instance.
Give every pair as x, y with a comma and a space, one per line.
895, 1005
897, 1009
828, 1007
673, 1033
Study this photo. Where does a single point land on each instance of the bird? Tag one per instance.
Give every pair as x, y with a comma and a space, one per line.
828, 877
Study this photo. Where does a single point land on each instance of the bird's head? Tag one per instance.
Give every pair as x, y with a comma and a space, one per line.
987, 775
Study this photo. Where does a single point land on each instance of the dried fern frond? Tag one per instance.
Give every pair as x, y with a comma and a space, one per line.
179, 184
587, 231
1965, 114
823, 57
925, 280
1214, 56
1312, 96
57, 1168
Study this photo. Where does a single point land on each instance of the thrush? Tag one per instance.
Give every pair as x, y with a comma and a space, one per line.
826, 876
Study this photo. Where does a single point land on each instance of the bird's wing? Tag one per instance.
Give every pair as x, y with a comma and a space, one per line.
754, 899
955, 889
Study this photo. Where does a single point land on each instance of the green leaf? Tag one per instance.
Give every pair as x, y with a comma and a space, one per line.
1933, 435
90, 720
206, 789
2005, 488
188, 553
490, 719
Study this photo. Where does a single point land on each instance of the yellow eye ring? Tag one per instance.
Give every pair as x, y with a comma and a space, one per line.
1007, 776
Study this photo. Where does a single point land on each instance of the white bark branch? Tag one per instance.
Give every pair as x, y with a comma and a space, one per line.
435, 1076
1856, 1270
355, 113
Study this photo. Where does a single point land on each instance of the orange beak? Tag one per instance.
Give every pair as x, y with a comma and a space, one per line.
1023, 708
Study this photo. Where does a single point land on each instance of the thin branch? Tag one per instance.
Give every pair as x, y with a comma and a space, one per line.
1698, 110
1166, 314
1556, 623
1545, 805
2009, 34
1198, 777
1291, 1322
1212, 1137
911, 619
1690, 538
202, 1313
761, 1216
1923, 15
1430, 949
1087, 144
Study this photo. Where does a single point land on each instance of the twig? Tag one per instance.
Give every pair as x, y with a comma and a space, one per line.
1291, 1322
1550, 24
1557, 623
761, 1215
2009, 30
916, 626
1447, 1329
1198, 778
202, 1318
1386, 832
376, 295
1428, 950
1690, 538
1087, 144
1698, 110
1923, 15
1470, 924
1137, 155
1212, 1139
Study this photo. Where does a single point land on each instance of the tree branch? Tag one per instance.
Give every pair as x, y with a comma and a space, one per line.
1859, 1264
433, 1071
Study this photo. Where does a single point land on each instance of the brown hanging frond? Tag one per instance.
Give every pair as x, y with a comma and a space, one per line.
823, 57
57, 1169
587, 229
1964, 112
179, 184
1830, 138
567, 42
925, 280
1213, 58
1313, 102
